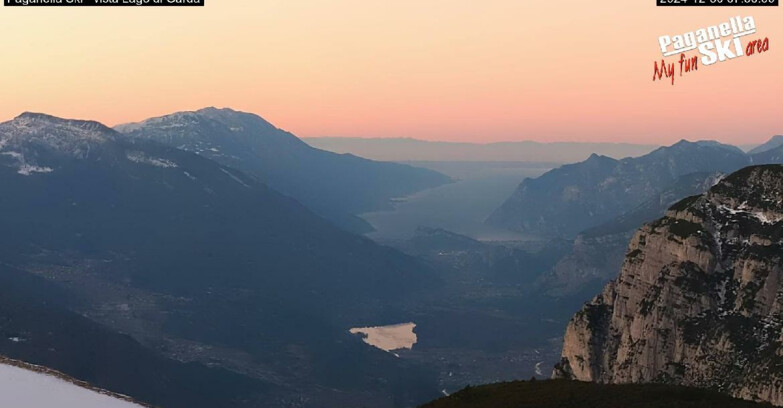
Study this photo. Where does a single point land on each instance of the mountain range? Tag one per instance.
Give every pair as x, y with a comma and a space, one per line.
159, 260
572, 198
184, 261
413, 150
336, 186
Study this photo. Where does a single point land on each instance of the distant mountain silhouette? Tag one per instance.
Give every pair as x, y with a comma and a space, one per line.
336, 186
406, 149
575, 197
771, 156
773, 143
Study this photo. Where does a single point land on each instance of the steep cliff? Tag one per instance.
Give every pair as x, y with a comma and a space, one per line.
698, 301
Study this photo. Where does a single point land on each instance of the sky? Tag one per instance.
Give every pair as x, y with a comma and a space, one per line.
456, 70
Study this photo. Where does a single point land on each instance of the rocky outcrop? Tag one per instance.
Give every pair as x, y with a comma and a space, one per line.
698, 301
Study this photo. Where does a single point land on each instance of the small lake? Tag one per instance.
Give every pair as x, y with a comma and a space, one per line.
389, 338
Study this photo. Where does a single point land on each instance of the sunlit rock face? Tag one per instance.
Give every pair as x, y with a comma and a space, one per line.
698, 300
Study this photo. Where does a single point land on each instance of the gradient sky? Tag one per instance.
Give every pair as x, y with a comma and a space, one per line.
481, 71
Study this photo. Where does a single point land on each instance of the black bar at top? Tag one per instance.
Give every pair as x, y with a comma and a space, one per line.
717, 3
104, 3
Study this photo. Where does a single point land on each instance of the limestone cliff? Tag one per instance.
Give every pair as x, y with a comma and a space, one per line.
699, 299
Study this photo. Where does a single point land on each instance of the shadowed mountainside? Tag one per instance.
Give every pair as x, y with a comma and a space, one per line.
336, 186
566, 394
201, 263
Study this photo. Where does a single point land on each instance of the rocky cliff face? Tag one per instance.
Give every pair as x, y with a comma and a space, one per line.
699, 299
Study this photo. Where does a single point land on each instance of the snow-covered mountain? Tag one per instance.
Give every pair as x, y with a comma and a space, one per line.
21, 138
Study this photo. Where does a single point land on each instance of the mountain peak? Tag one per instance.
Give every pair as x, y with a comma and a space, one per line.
36, 119
214, 109
194, 122
336, 186
30, 131
596, 156
697, 143
692, 146
34, 116
231, 117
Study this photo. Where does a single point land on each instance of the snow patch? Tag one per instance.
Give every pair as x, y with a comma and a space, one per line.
237, 179
139, 157
15, 155
27, 169
30, 389
766, 219
761, 216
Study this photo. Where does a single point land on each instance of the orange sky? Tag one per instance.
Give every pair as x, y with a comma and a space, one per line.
461, 70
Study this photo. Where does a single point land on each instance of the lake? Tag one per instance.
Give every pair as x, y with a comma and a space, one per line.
462, 206
389, 338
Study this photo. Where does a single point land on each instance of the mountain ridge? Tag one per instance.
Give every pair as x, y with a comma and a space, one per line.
338, 187
579, 196
412, 150
775, 142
